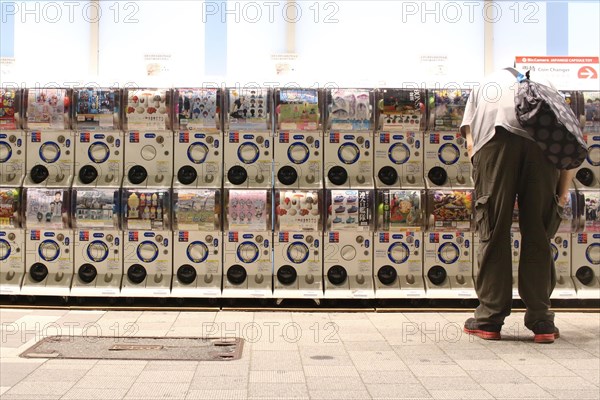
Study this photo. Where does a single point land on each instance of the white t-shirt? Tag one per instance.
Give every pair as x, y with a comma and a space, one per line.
492, 104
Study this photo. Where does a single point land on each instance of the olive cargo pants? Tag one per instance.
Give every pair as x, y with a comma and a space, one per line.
507, 166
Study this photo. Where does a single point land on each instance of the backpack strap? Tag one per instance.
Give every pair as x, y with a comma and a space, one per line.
520, 77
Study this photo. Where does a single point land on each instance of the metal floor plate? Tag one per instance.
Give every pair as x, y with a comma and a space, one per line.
137, 348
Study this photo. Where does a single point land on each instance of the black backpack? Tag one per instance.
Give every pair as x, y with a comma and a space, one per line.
545, 115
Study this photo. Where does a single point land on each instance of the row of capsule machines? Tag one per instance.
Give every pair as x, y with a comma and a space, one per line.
375, 201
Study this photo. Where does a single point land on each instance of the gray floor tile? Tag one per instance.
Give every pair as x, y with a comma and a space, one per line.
575, 394
549, 369
499, 377
277, 391
564, 383
7, 396
446, 382
217, 394
374, 356
99, 382
590, 375
34, 388
11, 373
166, 375
581, 364
221, 369
427, 359
381, 366
407, 391
447, 370
95, 394
121, 369
68, 364
334, 370
516, 391
488, 365
171, 365
150, 390
271, 365
277, 377
388, 377
339, 394
334, 383
379, 345
418, 350
452, 394
49, 375
220, 382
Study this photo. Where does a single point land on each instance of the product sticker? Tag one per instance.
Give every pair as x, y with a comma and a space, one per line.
248, 210
402, 110
46, 108
248, 108
592, 112
592, 212
568, 213
96, 208
9, 203
45, 208
399, 209
350, 109
147, 109
452, 209
8, 109
448, 107
146, 209
196, 210
198, 109
350, 210
298, 109
298, 211
96, 108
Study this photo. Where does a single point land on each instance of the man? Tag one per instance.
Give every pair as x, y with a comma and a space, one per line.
508, 163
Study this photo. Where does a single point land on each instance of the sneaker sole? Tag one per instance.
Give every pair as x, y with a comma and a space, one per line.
546, 337
483, 334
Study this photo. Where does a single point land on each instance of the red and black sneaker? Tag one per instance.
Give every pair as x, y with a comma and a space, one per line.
545, 332
484, 330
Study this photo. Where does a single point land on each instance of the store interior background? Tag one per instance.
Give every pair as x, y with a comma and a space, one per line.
337, 43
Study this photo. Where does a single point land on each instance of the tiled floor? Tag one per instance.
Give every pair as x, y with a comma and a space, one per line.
307, 355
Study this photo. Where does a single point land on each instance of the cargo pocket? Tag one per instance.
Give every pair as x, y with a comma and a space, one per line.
555, 219
482, 216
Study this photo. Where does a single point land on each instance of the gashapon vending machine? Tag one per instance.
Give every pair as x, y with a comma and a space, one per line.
447, 164
399, 149
586, 244
50, 142
198, 150
147, 247
98, 242
12, 139
12, 242
298, 139
248, 144
398, 241
298, 244
585, 250
99, 147
349, 139
197, 243
588, 174
48, 242
561, 245
147, 116
348, 239
448, 261
248, 244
